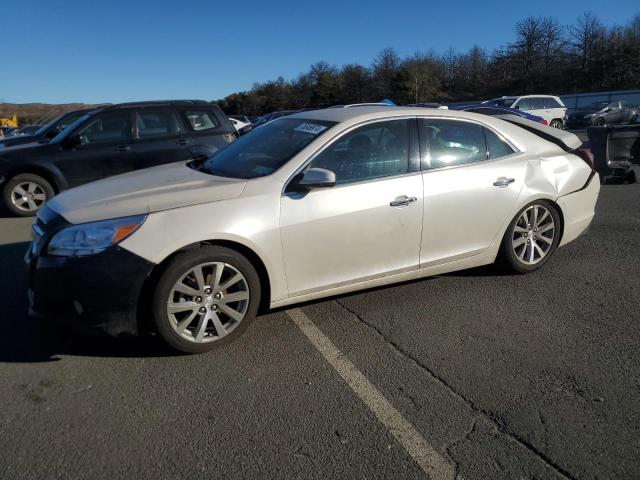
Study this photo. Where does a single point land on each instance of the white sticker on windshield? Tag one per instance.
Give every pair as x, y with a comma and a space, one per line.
311, 128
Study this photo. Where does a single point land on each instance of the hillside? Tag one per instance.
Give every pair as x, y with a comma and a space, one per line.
34, 112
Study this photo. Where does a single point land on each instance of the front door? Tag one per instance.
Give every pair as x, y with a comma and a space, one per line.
369, 224
103, 148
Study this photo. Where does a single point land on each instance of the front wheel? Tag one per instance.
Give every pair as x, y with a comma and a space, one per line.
25, 193
532, 237
556, 124
205, 298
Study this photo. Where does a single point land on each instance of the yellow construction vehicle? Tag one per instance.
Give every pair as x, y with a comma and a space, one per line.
9, 122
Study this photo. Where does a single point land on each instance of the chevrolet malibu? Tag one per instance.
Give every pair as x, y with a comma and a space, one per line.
307, 206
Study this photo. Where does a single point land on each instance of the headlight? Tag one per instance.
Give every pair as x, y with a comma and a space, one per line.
90, 238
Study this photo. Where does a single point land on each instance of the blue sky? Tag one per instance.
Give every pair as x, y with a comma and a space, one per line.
114, 51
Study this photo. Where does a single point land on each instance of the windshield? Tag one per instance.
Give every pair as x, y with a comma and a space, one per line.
60, 122
71, 127
265, 149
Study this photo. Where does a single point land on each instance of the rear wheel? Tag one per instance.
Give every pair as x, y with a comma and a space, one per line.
556, 124
532, 237
25, 193
205, 298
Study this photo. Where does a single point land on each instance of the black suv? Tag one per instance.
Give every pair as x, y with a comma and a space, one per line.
108, 141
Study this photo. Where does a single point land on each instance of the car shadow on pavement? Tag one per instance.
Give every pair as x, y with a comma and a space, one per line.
29, 340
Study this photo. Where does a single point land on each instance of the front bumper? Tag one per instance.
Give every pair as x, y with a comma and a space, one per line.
98, 291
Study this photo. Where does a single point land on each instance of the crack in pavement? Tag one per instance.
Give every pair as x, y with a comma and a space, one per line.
499, 423
458, 441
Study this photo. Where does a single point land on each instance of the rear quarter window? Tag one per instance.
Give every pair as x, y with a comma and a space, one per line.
202, 120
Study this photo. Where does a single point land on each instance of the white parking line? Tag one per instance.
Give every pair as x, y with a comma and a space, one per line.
430, 461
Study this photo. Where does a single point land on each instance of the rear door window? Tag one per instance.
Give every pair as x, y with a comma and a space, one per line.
525, 104
157, 123
453, 142
202, 120
552, 103
496, 146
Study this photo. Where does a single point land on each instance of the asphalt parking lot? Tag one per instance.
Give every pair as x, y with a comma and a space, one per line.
499, 376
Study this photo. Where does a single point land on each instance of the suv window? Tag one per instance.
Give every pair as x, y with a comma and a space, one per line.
377, 150
453, 142
539, 103
550, 102
496, 147
107, 127
202, 120
525, 104
157, 123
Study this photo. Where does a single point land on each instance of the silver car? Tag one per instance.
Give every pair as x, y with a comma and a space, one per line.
310, 205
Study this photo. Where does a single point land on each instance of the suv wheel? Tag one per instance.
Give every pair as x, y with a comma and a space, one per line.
532, 237
556, 124
205, 298
25, 193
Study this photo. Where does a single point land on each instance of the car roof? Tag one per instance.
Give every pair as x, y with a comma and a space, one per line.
368, 112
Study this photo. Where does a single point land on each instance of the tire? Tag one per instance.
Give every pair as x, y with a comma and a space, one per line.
556, 124
205, 300
518, 258
37, 190
600, 122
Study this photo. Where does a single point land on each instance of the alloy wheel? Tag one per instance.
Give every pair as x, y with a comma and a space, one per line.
533, 235
208, 302
28, 196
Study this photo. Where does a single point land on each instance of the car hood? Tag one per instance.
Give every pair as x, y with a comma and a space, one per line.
144, 191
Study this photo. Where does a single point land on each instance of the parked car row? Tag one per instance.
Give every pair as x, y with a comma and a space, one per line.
84, 146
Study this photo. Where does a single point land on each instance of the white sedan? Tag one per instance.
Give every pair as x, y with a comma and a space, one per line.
307, 206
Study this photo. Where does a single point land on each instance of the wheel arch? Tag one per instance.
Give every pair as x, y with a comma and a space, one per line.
144, 320
49, 173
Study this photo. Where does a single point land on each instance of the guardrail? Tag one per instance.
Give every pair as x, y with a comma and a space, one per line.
615, 149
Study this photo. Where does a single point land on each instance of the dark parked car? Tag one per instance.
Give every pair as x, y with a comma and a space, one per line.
25, 131
45, 132
615, 113
581, 117
109, 141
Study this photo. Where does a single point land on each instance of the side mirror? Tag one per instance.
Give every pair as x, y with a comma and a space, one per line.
517, 107
316, 178
50, 134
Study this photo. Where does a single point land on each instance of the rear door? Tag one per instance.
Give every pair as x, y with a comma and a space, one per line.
104, 148
472, 178
159, 137
208, 129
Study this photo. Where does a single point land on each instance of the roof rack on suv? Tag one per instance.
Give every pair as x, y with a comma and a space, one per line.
158, 102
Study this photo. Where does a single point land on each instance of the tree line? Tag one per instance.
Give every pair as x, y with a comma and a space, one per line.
544, 57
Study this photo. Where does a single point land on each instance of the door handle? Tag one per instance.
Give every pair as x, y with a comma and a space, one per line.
503, 181
402, 201
123, 148
183, 141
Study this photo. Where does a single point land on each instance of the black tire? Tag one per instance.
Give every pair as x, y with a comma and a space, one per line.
181, 264
507, 253
23, 178
600, 122
556, 124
